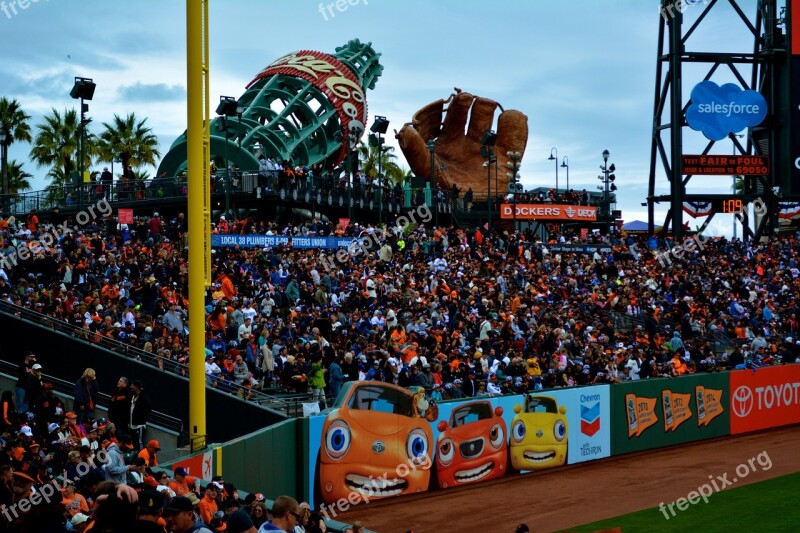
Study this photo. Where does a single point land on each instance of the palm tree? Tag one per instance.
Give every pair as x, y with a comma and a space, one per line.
17, 178
15, 121
738, 187
56, 145
129, 140
369, 154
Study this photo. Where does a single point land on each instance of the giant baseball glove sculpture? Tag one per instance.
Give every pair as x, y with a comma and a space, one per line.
457, 155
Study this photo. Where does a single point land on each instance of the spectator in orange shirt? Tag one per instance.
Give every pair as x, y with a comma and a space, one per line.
182, 483
109, 293
227, 286
399, 336
32, 220
208, 505
149, 453
678, 365
72, 501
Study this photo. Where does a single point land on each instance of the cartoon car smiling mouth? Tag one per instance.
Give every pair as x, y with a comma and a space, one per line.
538, 434
538, 457
474, 474
375, 486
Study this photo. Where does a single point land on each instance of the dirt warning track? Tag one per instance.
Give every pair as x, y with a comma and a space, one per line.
587, 492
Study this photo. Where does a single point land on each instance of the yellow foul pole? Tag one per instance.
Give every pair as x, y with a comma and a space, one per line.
198, 154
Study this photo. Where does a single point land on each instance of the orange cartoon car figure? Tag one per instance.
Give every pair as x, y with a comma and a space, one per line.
375, 443
473, 446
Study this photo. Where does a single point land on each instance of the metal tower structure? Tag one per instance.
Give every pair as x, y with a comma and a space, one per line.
767, 70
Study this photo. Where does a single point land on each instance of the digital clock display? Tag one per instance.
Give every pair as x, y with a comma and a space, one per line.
733, 206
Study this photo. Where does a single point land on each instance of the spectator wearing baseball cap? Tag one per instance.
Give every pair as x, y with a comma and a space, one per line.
180, 516
79, 522
151, 506
182, 483
208, 504
34, 389
240, 522
149, 452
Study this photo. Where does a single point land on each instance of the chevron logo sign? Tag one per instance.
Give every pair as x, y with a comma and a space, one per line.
590, 418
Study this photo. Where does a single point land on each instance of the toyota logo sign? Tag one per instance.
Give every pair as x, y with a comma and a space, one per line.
742, 401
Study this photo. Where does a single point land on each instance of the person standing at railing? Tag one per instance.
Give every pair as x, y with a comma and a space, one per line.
106, 180
120, 406
139, 413
22, 380
86, 391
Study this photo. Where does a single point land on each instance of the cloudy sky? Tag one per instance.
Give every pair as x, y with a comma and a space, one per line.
583, 71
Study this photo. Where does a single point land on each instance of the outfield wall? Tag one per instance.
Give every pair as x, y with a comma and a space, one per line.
356, 451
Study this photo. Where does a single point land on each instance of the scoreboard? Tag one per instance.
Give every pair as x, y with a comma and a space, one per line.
725, 165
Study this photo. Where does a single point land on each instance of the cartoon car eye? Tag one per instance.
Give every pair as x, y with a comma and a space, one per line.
446, 452
337, 439
417, 445
496, 436
559, 430
518, 431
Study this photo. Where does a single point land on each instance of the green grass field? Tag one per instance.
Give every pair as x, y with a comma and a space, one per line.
765, 506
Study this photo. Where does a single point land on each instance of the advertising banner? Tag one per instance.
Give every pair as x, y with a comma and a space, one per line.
575, 213
199, 466
263, 241
579, 248
662, 412
381, 440
125, 216
766, 398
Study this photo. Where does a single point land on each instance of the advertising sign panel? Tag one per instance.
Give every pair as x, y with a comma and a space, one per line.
574, 213
769, 397
662, 412
262, 241
382, 441
717, 111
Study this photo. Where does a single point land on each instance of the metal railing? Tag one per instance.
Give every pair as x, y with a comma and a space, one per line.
67, 389
288, 405
321, 191
719, 340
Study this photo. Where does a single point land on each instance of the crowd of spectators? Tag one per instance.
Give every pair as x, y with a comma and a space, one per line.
459, 313
456, 312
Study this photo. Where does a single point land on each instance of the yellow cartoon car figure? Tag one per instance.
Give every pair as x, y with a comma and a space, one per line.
538, 434
375, 442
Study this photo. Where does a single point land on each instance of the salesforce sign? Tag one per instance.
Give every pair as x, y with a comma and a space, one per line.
717, 111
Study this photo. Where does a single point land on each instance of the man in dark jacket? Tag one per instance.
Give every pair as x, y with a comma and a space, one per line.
140, 411
34, 389
349, 368
119, 410
470, 387
22, 380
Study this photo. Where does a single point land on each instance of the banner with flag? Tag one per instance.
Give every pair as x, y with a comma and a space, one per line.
697, 209
641, 414
789, 210
676, 409
709, 404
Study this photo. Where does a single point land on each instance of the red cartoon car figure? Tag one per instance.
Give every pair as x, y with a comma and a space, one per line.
473, 446
375, 442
